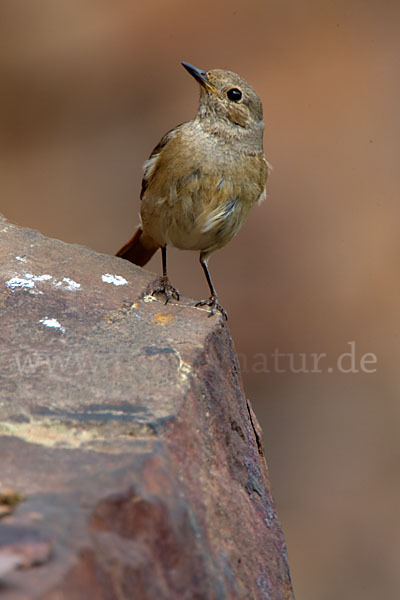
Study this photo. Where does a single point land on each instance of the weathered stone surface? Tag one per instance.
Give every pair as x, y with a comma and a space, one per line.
125, 432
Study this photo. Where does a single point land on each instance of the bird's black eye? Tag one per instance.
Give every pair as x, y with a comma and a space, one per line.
234, 94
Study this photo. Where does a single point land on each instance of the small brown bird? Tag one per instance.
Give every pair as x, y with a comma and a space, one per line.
202, 179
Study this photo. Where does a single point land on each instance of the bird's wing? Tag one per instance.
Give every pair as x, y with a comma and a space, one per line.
150, 165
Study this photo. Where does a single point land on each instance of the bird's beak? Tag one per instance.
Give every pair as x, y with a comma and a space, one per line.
200, 76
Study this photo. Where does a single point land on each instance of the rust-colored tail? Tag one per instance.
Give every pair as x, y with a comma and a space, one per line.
139, 249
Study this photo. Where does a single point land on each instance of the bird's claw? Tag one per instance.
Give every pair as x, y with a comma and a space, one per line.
167, 289
215, 305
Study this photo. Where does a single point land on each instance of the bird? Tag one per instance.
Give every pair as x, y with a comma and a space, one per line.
202, 179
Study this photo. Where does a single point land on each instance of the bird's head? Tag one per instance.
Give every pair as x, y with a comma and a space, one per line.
226, 95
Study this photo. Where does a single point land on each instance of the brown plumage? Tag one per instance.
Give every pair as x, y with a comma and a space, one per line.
136, 251
203, 177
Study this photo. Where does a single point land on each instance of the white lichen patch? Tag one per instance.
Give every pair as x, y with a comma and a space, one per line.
149, 298
19, 282
67, 284
28, 280
51, 322
114, 279
44, 277
71, 284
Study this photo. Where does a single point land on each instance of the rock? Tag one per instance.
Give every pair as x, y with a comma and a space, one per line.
125, 431
25, 544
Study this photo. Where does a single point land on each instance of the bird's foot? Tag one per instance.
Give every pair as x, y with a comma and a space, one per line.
215, 305
167, 289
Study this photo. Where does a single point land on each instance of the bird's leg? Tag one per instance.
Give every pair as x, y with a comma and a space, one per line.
213, 299
165, 287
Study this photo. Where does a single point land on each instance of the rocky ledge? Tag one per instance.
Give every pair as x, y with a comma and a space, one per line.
132, 465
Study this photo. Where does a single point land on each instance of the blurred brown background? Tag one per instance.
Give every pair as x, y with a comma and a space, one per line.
88, 88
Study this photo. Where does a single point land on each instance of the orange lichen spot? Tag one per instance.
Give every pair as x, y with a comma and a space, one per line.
163, 319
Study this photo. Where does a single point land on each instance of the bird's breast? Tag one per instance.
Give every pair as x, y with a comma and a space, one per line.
199, 193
